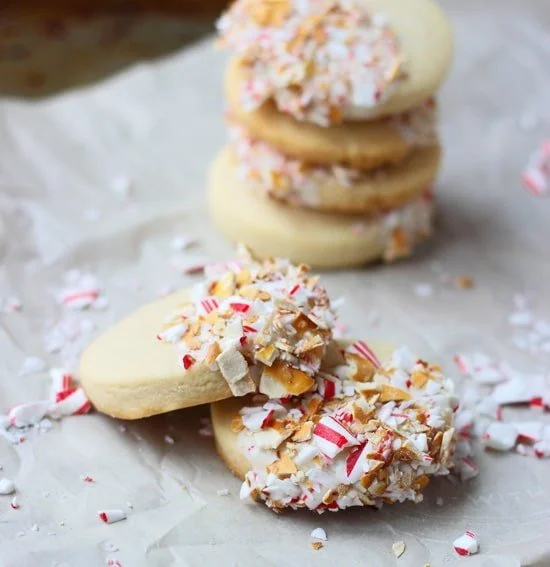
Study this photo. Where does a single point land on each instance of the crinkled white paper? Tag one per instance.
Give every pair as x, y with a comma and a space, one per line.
158, 126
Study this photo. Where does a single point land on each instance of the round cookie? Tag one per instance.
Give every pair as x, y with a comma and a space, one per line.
333, 188
272, 229
364, 145
129, 374
377, 425
315, 64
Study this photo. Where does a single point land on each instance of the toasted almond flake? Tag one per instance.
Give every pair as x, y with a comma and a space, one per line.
465, 282
398, 548
389, 393
316, 545
304, 432
284, 467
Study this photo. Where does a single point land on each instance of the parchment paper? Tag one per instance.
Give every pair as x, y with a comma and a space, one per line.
159, 125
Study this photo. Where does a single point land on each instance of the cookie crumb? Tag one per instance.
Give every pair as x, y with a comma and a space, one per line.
398, 548
316, 545
465, 282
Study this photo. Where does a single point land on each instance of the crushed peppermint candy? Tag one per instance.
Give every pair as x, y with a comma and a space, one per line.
111, 516
315, 60
466, 544
381, 435
67, 399
536, 176
7, 486
264, 325
181, 242
11, 304
531, 331
489, 386
81, 291
32, 365
319, 533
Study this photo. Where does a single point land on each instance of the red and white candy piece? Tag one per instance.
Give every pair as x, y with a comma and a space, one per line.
24, 415
362, 349
111, 516
331, 436
466, 544
76, 403
355, 463
467, 469
257, 420
500, 436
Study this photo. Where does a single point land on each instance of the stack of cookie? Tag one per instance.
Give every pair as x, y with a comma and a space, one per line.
333, 127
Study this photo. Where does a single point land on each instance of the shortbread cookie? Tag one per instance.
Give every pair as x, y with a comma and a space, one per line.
338, 60
129, 373
365, 434
273, 229
332, 188
247, 327
364, 145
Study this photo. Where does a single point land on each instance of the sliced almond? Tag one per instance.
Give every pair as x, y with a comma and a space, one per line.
304, 432
283, 468
294, 381
237, 423
389, 393
421, 482
419, 379
406, 454
361, 415
267, 355
212, 353
361, 369
225, 286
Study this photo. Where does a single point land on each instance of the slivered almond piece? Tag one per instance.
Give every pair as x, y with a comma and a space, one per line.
362, 370
267, 355
294, 381
361, 415
304, 432
243, 277
309, 344
249, 291
313, 405
406, 454
283, 468
316, 545
234, 369
212, 353
419, 379
389, 393
421, 482
225, 286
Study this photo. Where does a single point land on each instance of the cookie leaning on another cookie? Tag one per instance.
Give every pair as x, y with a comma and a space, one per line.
367, 433
247, 327
317, 238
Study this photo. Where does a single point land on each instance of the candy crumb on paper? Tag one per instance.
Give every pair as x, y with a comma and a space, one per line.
111, 516
319, 533
466, 544
398, 548
7, 486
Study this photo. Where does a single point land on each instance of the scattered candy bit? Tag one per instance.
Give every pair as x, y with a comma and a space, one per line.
466, 544
439, 501
423, 289
319, 533
7, 486
169, 440
35, 528
111, 516
81, 292
11, 305
32, 365
86, 478
222, 492
181, 242
122, 186
536, 176
14, 503
398, 548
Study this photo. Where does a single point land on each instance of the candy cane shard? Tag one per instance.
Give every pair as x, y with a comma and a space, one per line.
466, 544
353, 448
111, 516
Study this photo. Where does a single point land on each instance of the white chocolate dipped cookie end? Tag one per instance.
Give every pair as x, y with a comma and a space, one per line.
367, 433
322, 240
